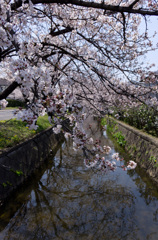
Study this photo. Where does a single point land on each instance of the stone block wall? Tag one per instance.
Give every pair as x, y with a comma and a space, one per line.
18, 163
142, 147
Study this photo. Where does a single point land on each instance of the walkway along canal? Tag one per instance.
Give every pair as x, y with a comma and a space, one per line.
65, 200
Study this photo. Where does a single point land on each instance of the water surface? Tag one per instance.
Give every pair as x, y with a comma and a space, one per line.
65, 200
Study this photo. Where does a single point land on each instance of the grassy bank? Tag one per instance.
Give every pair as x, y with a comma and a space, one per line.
15, 131
112, 128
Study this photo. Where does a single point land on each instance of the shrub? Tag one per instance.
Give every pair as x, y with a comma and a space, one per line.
15, 103
141, 117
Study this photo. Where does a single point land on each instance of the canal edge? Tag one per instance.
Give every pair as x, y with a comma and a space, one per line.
18, 163
142, 147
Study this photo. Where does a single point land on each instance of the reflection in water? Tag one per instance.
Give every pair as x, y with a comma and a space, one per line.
67, 201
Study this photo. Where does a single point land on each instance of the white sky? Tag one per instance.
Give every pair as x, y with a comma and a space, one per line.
152, 57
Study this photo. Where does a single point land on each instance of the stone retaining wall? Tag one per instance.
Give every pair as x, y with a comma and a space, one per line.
141, 146
18, 163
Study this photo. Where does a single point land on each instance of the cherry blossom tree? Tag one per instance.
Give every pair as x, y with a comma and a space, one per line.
74, 57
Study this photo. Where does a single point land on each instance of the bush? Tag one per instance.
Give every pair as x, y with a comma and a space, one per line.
141, 117
15, 103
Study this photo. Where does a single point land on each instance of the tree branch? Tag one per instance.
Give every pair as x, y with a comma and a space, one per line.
134, 3
6, 52
9, 90
124, 27
57, 33
112, 8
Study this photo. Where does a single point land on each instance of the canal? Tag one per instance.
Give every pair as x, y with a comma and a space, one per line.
65, 200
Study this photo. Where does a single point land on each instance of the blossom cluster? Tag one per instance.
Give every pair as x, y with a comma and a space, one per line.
3, 103
72, 62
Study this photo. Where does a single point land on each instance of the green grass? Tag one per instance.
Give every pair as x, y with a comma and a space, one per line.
103, 122
15, 131
120, 138
10, 108
43, 123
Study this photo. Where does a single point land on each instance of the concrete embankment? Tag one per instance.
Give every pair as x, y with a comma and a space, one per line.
141, 146
21, 161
